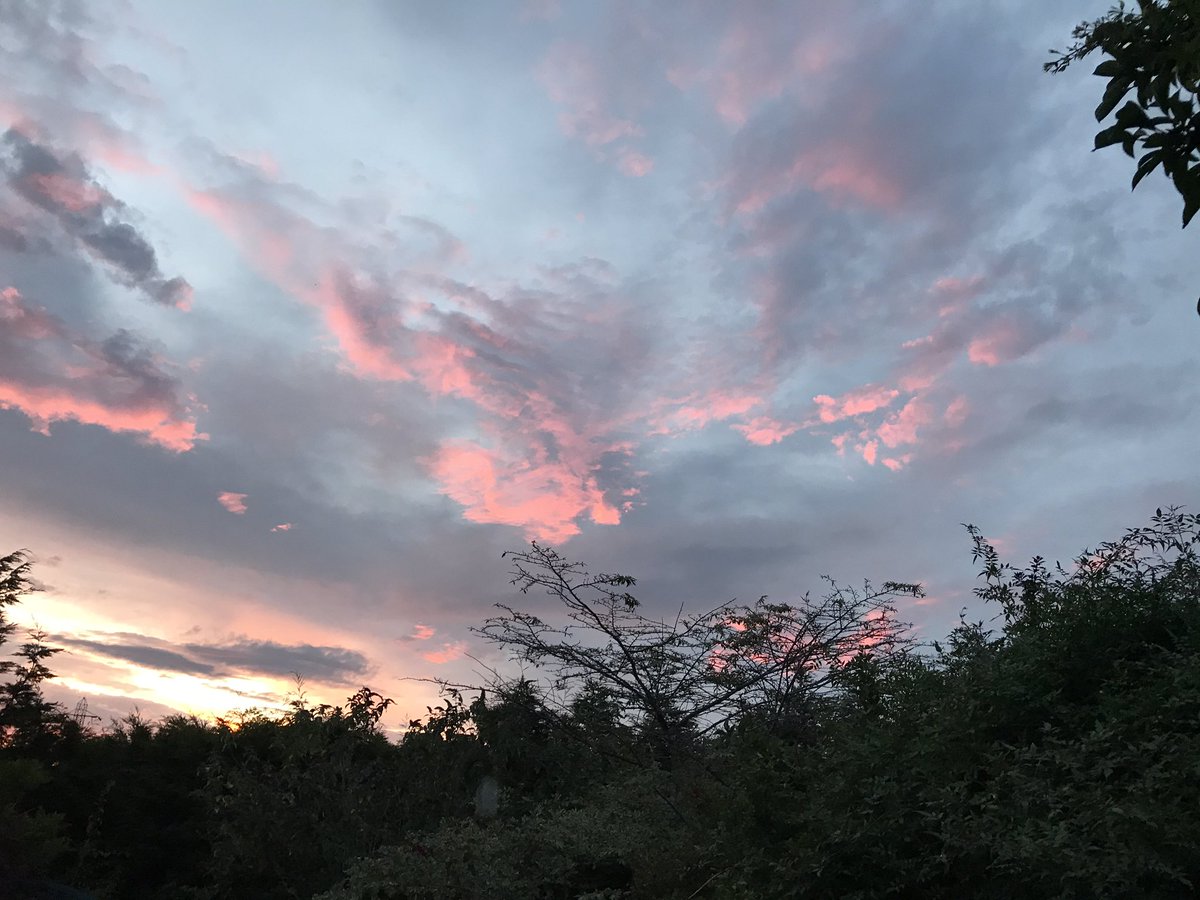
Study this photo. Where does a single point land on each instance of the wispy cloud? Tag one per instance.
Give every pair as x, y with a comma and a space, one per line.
334, 665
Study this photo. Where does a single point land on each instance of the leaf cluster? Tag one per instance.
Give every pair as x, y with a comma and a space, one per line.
1154, 53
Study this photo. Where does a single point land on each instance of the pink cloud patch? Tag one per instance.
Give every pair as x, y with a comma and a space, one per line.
986, 351
1006, 340
233, 502
866, 399
422, 632
765, 431
953, 293
957, 412
545, 498
634, 164
753, 66
842, 172
283, 526
699, 410
541, 477
902, 427
573, 80
62, 189
448, 653
71, 194
51, 374
45, 406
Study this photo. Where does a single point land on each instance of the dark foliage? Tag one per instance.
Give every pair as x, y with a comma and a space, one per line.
1052, 757
1155, 54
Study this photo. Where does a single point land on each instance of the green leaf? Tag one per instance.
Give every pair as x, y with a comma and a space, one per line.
1191, 205
1146, 165
1162, 89
1113, 94
1108, 69
1109, 136
1131, 114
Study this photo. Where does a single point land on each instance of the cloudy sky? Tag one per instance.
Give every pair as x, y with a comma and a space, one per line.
309, 310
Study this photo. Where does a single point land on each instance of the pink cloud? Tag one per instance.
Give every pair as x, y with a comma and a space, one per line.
71, 194
443, 366
360, 345
866, 399
698, 410
953, 293
283, 526
1005, 342
957, 412
902, 427
573, 80
387, 336
634, 164
233, 502
764, 430
448, 653
47, 405
544, 498
844, 172
753, 63
51, 374
897, 463
302, 259
849, 174
60, 187
534, 459
422, 632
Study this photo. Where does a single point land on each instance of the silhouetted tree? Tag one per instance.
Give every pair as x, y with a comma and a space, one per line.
678, 680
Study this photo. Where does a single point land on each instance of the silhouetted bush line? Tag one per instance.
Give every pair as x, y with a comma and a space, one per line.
767, 750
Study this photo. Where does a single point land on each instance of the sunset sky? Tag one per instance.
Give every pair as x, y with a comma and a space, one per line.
309, 310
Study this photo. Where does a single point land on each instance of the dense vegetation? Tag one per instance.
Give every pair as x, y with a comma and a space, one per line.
751, 751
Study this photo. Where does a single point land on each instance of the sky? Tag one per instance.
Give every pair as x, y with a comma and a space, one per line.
309, 311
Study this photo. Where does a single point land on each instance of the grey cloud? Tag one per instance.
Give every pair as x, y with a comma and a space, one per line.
318, 663
14, 240
62, 187
152, 657
53, 373
129, 358
330, 665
